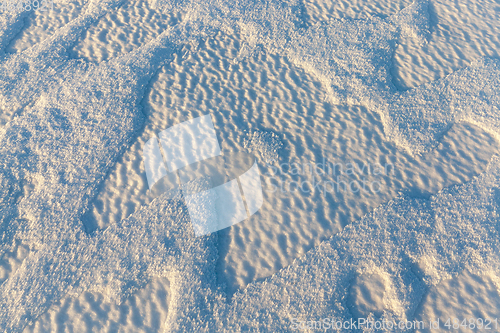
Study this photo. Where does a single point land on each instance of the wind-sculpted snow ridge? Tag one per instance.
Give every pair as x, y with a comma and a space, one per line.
64, 145
418, 117
352, 57
25, 76
154, 242
415, 243
413, 21
10, 24
78, 117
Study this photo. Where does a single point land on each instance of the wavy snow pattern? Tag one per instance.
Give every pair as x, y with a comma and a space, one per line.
67, 121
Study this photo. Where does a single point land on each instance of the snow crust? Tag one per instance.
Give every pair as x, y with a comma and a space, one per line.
66, 121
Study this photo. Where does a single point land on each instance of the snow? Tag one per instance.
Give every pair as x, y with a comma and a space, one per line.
69, 124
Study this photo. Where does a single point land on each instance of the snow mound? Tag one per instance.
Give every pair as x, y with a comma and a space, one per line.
265, 144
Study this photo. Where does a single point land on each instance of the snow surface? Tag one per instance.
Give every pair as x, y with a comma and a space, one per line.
76, 110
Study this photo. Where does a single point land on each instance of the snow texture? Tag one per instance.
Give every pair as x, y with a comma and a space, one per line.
67, 121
